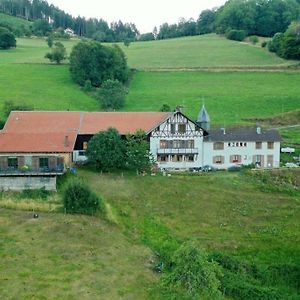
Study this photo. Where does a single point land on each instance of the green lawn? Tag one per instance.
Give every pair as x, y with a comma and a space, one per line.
228, 96
211, 51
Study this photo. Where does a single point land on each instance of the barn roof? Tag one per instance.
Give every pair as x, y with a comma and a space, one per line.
39, 131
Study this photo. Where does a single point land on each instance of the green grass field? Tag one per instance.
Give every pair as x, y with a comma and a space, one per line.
45, 87
229, 96
77, 257
206, 51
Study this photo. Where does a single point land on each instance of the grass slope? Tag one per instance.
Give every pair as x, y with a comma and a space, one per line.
69, 257
229, 96
46, 87
77, 257
16, 25
205, 51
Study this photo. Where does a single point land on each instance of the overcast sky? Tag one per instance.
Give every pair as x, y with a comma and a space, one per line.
145, 14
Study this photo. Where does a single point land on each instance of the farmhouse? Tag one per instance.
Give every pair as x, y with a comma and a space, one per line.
37, 146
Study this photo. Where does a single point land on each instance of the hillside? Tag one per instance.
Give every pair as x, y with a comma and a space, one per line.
200, 52
16, 25
81, 257
26, 65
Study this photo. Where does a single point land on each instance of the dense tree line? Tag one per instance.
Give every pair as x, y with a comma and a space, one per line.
255, 17
49, 17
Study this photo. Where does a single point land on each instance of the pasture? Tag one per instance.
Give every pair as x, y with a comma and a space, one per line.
81, 257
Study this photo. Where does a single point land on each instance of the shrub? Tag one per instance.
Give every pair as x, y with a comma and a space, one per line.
236, 35
253, 39
193, 275
7, 39
87, 86
264, 44
165, 107
112, 95
78, 198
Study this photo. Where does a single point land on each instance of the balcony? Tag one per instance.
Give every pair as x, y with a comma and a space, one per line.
45, 171
177, 151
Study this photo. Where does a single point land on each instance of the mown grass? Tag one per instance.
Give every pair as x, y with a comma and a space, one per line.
229, 97
45, 87
211, 51
69, 257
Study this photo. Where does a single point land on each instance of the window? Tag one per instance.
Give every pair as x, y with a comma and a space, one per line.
258, 160
218, 146
190, 158
235, 158
190, 144
177, 144
245, 144
81, 153
12, 163
84, 145
182, 128
177, 158
258, 145
270, 145
44, 162
173, 129
218, 159
163, 144
162, 158
270, 160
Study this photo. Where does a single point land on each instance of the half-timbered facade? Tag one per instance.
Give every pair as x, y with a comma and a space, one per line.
177, 143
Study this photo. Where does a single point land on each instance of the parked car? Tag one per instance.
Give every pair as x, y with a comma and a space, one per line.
208, 168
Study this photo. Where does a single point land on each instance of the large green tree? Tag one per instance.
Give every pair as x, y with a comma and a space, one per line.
97, 63
137, 152
7, 39
106, 150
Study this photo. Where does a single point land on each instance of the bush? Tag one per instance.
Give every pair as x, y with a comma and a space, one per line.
253, 39
165, 107
57, 54
193, 275
236, 35
87, 86
264, 44
78, 198
112, 95
7, 39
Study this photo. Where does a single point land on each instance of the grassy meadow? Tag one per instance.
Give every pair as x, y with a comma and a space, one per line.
229, 97
80, 257
206, 51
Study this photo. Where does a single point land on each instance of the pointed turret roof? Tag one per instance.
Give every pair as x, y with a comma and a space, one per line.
203, 115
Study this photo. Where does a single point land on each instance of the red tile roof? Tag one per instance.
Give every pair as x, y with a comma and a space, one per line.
11, 142
124, 122
46, 131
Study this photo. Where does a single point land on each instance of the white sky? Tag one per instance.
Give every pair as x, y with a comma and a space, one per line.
145, 14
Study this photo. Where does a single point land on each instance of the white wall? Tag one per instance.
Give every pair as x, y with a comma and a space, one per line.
246, 153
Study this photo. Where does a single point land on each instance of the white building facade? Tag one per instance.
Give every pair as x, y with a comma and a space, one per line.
182, 144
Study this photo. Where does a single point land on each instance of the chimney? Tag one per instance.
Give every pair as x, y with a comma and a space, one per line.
258, 130
66, 141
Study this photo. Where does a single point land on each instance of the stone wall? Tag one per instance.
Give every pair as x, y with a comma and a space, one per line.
19, 183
